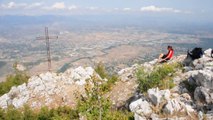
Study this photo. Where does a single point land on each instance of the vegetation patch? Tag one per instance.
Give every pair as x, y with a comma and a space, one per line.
160, 77
111, 79
60, 113
94, 106
13, 80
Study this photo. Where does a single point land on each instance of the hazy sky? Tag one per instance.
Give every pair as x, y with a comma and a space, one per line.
68, 7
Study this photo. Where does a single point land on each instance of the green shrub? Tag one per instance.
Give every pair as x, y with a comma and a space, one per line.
60, 113
64, 113
28, 114
111, 79
13, 114
119, 115
100, 69
94, 106
2, 114
13, 80
160, 77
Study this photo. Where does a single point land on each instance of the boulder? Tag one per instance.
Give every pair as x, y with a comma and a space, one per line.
139, 117
200, 115
203, 95
127, 74
141, 107
181, 103
173, 106
4, 101
208, 52
204, 78
19, 102
187, 68
157, 96
80, 75
209, 115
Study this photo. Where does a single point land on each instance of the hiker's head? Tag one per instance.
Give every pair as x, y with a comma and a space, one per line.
169, 47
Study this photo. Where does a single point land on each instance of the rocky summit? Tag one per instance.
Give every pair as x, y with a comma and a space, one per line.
190, 98
49, 89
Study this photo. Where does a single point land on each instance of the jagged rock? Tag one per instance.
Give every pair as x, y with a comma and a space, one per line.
203, 95
181, 103
200, 115
204, 78
139, 117
49, 77
141, 107
127, 73
123, 71
157, 96
208, 52
46, 86
209, 115
154, 117
199, 66
173, 106
187, 68
19, 102
19, 95
4, 101
126, 77
80, 75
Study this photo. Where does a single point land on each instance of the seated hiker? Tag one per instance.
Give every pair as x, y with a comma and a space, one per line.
168, 56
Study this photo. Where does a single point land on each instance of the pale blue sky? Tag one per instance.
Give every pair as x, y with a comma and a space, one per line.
68, 7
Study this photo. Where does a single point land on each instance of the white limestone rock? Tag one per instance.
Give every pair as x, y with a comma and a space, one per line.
139, 117
19, 102
202, 94
153, 62
204, 78
48, 77
157, 96
4, 101
141, 107
208, 52
173, 106
80, 75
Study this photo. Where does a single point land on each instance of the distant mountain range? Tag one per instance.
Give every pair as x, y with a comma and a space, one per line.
153, 22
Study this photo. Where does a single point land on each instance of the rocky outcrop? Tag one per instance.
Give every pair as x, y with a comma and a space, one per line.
162, 100
141, 109
48, 88
157, 96
181, 100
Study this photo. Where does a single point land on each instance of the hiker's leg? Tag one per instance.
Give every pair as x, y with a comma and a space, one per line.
160, 56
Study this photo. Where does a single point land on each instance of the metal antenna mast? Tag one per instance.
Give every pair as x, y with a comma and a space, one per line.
47, 38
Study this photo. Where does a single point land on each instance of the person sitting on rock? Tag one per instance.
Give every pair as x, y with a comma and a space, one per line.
166, 57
